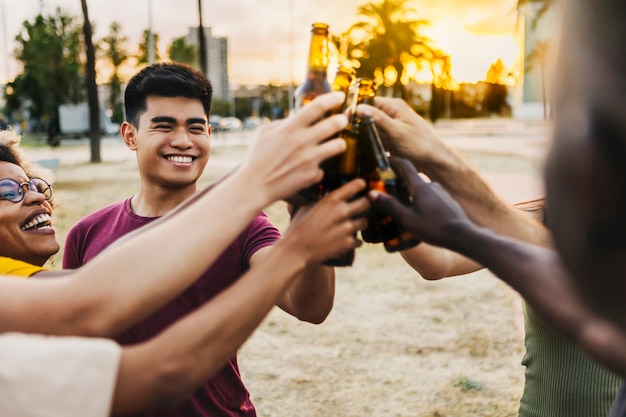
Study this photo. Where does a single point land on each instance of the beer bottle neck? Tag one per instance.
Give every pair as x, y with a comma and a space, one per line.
318, 53
369, 135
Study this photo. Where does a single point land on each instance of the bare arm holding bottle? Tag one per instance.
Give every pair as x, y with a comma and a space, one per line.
168, 367
99, 299
407, 135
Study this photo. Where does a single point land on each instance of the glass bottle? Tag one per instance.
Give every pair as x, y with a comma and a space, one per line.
342, 81
343, 168
316, 83
375, 168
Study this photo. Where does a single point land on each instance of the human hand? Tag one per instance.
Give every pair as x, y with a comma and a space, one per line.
328, 228
406, 134
434, 216
285, 155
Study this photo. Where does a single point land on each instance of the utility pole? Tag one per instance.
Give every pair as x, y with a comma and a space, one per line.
290, 104
202, 41
150, 35
5, 40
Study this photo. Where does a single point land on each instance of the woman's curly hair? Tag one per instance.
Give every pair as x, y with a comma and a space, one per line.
10, 151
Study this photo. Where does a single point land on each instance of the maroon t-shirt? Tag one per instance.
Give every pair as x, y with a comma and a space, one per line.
225, 394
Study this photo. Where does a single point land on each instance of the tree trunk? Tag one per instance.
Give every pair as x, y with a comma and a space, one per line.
202, 42
92, 88
543, 93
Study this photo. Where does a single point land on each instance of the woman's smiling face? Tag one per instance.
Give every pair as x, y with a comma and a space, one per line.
26, 232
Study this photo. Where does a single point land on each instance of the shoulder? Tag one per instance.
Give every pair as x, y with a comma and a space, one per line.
99, 217
262, 220
107, 211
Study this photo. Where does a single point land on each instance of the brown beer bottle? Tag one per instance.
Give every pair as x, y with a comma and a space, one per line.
343, 168
343, 79
316, 83
363, 91
376, 169
344, 171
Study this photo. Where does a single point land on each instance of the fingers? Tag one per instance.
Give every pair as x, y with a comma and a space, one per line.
312, 112
354, 207
406, 170
394, 107
348, 190
383, 120
329, 149
389, 205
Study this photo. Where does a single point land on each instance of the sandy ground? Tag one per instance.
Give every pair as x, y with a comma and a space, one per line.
394, 345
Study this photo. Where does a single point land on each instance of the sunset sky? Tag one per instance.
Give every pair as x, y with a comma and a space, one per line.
268, 39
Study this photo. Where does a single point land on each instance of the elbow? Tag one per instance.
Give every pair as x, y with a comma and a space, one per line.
171, 384
315, 319
91, 321
430, 275
85, 322
316, 316
315, 313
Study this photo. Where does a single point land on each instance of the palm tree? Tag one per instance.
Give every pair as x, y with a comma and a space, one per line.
544, 6
116, 53
386, 40
540, 55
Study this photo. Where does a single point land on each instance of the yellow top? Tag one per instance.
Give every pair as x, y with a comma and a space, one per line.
13, 267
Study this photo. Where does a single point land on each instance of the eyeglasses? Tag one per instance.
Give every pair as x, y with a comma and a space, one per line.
14, 191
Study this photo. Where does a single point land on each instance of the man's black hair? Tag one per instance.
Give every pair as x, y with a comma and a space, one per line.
165, 79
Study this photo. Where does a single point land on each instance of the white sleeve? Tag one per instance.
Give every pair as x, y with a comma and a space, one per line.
42, 376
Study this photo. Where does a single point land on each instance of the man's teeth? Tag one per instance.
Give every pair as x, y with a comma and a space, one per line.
181, 159
37, 221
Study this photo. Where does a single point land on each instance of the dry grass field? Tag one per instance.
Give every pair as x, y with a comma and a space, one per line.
394, 345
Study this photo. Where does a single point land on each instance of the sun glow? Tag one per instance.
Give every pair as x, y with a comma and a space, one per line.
472, 54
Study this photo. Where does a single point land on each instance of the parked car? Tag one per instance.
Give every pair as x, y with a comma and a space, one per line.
230, 123
253, 122
214, 122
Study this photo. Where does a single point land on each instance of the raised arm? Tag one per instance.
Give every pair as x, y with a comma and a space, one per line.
170, 366
409, 136
434, 262
166, 257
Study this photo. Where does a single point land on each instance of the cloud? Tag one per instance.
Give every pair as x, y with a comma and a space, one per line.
262, 35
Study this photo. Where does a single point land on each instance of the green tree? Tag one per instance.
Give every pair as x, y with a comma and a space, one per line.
92, 87
49, 49
386, 41
495, 101
114, 49
441, 86
180, 51
143, 55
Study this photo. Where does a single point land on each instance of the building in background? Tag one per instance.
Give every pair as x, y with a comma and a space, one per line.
217, 60
533, 92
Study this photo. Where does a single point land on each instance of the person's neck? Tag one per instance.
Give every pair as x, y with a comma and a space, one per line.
156, 201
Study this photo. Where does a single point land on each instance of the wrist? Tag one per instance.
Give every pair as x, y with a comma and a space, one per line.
461, 235
444, 166
259, 195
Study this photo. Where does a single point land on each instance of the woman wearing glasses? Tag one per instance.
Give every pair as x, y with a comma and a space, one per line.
95, 377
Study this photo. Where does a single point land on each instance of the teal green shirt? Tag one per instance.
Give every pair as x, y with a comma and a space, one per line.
560, 379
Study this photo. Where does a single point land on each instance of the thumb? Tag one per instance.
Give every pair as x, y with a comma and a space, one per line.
389, 204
